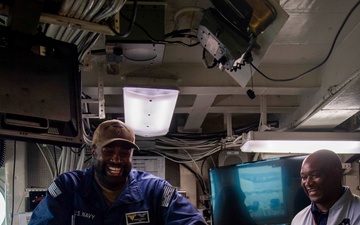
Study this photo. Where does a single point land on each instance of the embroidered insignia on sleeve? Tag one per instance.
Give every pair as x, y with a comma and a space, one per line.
54, 190
168, 193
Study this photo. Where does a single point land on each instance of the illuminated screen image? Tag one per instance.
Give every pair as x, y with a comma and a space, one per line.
262, 192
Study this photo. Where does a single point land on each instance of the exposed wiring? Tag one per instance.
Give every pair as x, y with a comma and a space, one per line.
185, 35
183, 163
235, 141
93, 11
159, 41
68, 160
131, 24
319, 65
110, 10
197, 147
48, 163
203, 163
88, 47
198, 150
198, 177
55, 160
196, 165
13, 186
85, 11
2, 151
81, 160
182, 43
176, 32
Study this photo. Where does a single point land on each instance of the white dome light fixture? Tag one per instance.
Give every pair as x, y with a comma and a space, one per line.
149, 110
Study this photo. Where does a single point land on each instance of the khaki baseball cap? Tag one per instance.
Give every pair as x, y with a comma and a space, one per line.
113, 130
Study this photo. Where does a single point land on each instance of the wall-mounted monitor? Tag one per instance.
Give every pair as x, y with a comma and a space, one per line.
262, 192
40, 89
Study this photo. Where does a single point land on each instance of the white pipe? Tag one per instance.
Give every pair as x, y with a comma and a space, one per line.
60, 33
99, 4
65, 37
67, 164
113, 9
81, 160
46, 161
80, 9
72, 160
63, 161
87, 9
52, 30
65, 7
73, 9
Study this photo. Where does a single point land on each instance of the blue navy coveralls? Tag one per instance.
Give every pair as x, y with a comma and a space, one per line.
75, 198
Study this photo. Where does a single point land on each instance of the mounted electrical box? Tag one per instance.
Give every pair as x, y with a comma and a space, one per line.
229, 31
40, 87
142, 44
221, 40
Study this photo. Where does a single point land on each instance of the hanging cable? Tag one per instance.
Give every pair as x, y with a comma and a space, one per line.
159, 41
319, 65
198, 177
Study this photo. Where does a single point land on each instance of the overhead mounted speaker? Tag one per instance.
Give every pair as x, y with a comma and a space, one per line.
138, 47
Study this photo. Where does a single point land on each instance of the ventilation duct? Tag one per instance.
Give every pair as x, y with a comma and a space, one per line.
343, 101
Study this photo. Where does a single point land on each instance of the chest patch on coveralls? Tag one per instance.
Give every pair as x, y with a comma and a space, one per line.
137, 217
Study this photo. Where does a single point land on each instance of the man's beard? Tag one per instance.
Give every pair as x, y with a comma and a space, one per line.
111, 182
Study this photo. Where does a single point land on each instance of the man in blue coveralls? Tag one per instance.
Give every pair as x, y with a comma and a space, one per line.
111, 192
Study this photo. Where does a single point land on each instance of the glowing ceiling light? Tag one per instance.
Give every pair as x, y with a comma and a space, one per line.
301, 142
149, 110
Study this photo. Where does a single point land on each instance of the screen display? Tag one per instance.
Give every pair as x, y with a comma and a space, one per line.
262, 192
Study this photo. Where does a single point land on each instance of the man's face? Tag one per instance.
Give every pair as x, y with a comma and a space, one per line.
113, 165
318, 182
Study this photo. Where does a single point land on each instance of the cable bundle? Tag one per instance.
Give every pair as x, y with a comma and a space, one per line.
2, 152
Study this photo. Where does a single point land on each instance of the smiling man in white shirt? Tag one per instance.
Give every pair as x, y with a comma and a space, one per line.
331, 202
